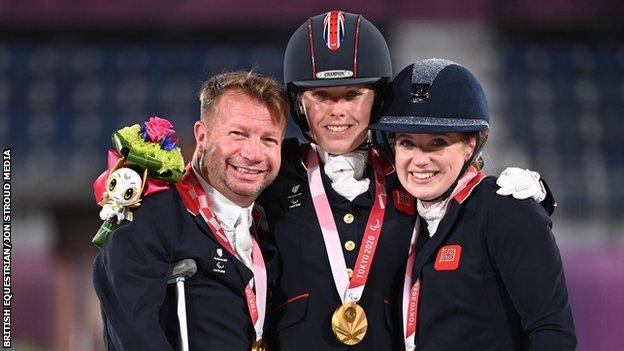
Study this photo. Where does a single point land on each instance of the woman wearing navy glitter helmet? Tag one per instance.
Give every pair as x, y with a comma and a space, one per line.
484, 271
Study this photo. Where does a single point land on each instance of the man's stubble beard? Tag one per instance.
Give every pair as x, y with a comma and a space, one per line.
203, 166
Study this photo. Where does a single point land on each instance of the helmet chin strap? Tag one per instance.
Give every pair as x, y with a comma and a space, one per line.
302, 110
368, 141
300, 114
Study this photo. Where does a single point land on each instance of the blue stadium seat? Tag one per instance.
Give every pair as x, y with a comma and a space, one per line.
565, 103
61, 100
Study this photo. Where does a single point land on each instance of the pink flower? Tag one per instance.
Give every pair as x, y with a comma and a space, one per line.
156, 128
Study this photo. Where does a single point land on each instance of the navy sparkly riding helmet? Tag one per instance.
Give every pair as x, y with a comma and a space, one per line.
434, 96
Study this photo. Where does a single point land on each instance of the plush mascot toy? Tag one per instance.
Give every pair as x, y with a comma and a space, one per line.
123, 192
143, 161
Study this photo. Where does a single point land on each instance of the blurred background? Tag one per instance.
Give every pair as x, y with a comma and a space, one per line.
73, 72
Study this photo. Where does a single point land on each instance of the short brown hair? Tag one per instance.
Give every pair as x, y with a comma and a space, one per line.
257, 86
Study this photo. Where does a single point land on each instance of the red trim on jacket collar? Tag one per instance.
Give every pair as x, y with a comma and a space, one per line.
467, 190
187, 183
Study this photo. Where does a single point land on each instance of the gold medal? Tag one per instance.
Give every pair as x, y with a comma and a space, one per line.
259, 345
349, 323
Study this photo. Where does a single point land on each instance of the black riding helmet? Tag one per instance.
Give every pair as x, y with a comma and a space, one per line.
335, 49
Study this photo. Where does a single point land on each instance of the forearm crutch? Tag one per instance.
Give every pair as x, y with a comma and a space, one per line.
178, 275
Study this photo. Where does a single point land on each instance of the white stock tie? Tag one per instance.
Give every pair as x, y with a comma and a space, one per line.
346, 172
243, 239
432, 214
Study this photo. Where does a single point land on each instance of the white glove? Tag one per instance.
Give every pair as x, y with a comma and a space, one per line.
521, 183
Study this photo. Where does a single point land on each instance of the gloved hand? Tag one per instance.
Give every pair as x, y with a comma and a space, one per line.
521, 183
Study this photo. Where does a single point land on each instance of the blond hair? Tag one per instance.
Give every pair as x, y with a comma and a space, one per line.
257, 86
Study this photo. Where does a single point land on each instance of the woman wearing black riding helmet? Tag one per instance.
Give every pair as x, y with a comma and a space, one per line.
483, 272
336, 212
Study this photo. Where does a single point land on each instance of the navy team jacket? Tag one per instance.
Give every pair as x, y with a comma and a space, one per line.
305, 296
130, 279
505, 290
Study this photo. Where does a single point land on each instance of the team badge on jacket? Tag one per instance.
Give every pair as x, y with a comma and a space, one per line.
448, 258
403, 201
293, 196
219, 262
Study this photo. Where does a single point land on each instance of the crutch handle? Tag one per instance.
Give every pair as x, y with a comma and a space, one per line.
182, 270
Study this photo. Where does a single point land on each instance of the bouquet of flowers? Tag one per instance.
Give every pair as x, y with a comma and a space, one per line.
143, 161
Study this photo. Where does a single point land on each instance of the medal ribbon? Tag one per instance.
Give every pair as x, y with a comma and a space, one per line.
196, 200
348, 290
411, 292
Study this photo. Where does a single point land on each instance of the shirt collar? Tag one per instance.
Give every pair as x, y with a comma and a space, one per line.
225, 209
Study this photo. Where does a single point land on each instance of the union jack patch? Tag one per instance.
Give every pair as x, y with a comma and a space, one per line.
448, 258
333, 29
403, 201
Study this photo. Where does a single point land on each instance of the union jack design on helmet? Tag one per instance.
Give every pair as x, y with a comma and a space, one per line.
333, 29
335, 48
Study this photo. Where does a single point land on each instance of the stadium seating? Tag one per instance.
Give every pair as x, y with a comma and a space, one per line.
565, 103
61, 100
